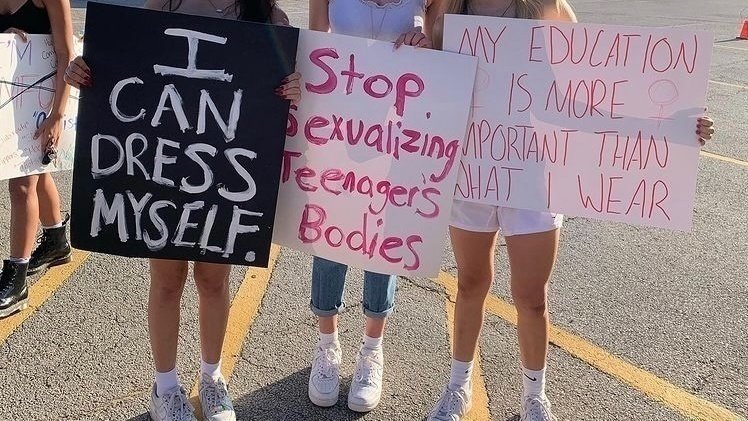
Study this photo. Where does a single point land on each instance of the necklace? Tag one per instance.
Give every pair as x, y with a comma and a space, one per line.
381, 22
218, 9
472, 11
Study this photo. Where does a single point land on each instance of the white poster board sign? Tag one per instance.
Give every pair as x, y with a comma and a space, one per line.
372, 153
27, 89
588, 120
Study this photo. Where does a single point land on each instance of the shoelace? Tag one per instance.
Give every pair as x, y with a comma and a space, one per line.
43, 245
449, 403
6, 287
325, 367
537, 410
213, 395
179, 407
370, 371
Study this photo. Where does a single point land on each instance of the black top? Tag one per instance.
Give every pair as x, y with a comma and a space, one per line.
29, 18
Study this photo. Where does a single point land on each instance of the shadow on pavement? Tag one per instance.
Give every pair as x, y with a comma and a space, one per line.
287, 400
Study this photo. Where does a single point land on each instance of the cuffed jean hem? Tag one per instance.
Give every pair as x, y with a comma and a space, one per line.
325, 313
378, 314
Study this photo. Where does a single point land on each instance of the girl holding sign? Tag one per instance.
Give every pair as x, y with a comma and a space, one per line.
383, 20
532, 239
35, 197
169, 401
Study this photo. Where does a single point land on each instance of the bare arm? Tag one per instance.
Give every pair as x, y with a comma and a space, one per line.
561, 12
319, 19
61, 21
434, 24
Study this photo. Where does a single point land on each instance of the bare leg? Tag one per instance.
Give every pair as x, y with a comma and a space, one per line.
24, 215
212, 282
474, 252
49, 200
532, 258
167, 284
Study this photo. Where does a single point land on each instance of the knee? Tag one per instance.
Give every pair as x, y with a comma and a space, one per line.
20, 189
210, 286
531, 303
169, 288
474, 284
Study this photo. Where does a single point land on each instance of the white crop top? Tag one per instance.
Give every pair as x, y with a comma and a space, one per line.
367, 19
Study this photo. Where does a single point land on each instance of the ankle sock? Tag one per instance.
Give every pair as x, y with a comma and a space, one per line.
533, 382
57, 225
166, 381
20, 260
461, 373
371, 344
211, 370
328, 338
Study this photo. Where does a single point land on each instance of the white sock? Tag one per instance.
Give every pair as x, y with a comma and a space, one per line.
461, 373
533, 382
166, 381
20, 260
211, 370
57, 225
372, 344
328, 338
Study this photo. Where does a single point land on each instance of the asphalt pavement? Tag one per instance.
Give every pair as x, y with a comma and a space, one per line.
668, 310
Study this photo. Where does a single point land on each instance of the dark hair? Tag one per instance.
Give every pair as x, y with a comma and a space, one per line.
249, 10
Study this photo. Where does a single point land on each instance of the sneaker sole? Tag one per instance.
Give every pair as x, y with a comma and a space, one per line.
19, 306
58, 262
326, 403
362, 408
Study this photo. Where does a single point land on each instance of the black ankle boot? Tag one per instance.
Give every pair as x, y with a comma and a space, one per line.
53, 249
14, 294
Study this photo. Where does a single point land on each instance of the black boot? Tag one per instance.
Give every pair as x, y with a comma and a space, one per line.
14, 294
53, 249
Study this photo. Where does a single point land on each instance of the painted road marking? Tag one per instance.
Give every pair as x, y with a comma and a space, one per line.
724, 158
658, 389
244, 310
480, 410
732, 85
730, 47
41, 291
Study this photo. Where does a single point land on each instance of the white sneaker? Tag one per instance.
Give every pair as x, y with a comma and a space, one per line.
366, 386
324, 379
171, 406
215, 400
452, 405
537, 408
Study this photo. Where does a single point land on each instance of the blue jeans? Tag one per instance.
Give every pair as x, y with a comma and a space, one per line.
328, 284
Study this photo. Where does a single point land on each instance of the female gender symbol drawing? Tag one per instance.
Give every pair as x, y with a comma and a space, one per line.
663, 92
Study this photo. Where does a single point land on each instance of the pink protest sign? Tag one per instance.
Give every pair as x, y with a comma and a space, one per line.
372, 153
588, 120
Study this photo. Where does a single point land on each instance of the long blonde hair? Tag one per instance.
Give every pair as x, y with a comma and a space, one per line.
526, 9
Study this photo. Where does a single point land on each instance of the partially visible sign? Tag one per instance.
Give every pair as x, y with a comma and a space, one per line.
583, 119
180, 139
27, 90
371, 158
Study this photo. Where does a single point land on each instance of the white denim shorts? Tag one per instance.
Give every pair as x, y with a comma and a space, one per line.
478, 217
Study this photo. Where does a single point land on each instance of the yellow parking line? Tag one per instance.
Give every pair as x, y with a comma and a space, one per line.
658, 389
480, 410
724, 158
244, 310
41, 291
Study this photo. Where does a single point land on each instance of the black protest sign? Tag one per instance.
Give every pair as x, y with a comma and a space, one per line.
180, 138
